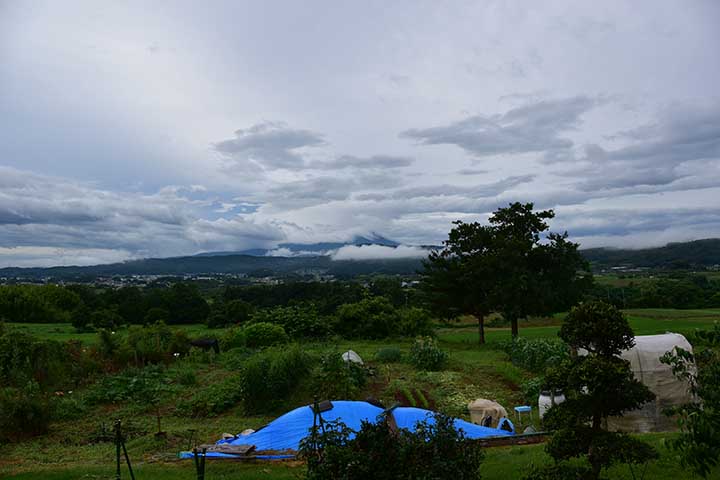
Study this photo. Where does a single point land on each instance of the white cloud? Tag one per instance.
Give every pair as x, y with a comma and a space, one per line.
372, 252
43, 256
182, 132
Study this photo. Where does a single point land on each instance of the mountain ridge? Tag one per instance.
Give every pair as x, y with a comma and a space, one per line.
700, 254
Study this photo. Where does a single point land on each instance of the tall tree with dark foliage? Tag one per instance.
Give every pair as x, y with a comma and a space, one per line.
505, 267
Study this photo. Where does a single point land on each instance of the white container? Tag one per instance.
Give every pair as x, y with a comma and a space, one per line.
547, 400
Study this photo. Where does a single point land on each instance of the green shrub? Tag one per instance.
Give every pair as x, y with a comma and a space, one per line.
536, 355
233, 338
24, 412
237, 311
108, 343
271, 376
415, 321
217, 320
106, 318
80, 319
186, 376
235, 358
435, 450
156, 315
299, 321
426, 355
336, 378
213, 399
531, 389
132, 384
370, 318
24, 358
388, 355
68, 407
263, 334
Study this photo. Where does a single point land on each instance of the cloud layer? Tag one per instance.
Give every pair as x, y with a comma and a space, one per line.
253, 124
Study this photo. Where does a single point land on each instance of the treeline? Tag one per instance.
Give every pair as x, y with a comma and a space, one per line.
674, 291
698, 254
85, 306
376, 309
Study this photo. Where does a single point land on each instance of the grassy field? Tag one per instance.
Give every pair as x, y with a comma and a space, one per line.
67, 452
500, 464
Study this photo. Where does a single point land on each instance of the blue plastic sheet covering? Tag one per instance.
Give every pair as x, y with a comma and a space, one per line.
285, 432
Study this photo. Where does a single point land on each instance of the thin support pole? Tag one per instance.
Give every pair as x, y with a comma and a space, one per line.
127, 459
117, 450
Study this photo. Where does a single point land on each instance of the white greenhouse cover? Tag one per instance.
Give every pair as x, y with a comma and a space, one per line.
644, 360
352, 356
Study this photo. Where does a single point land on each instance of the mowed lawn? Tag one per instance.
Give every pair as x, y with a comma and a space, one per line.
644, 321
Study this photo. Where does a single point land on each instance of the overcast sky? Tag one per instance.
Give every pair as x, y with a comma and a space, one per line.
133, 129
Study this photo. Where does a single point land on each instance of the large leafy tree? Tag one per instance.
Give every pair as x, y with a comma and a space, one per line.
598, 384
532, 275
509, 266
457, 280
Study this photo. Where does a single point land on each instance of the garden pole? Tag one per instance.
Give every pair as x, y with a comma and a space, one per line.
127, 459
117, 449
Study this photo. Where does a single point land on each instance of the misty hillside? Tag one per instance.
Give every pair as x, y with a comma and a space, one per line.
696, 254
687, 255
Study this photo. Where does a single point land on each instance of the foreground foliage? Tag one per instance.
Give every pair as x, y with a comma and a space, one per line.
598, 385
699, 444
436, 450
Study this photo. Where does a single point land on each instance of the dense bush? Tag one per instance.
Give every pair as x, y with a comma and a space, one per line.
271, 376
299, 321
37, 304
388, 355
24, 412
336, 378
212, 399
254, 335
155, 315
132, 384
143, 344
531, 389
25, 358
68, 407
106, 318
263, 334
372, 318
435, 450
326, 297
415, 321
535, 355
698, 445
425, 354
232, 338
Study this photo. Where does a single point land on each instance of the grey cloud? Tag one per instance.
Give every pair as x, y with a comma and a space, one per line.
324, 189
38, 213
536, 127
472, 191
635, 227
375, 161
661, 154
273, 145
472, 171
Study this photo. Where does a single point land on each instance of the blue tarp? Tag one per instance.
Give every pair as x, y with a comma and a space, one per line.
285, 432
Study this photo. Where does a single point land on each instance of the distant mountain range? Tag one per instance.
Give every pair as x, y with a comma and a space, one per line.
300, 261
681, 255
308, 250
